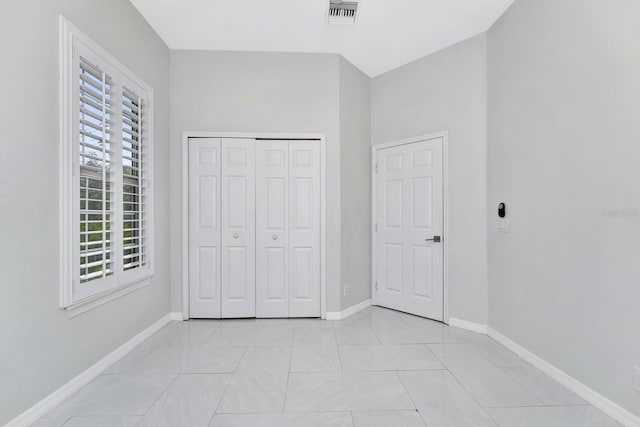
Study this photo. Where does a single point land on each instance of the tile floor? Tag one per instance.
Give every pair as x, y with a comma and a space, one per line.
376, 368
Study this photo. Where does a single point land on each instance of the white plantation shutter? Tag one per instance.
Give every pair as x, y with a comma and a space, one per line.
135, 181
96, 187
106, 173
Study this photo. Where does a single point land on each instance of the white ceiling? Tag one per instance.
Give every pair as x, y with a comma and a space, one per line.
387, 34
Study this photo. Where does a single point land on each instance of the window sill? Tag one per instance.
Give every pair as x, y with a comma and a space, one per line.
87, 304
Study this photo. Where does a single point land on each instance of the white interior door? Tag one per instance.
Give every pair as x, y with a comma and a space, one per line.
272, 229
304, 228
409, 217
238, 228
204, 227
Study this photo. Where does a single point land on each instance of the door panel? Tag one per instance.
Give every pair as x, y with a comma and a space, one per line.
409, 212
238, 228
304, 228
204, 230
272, 239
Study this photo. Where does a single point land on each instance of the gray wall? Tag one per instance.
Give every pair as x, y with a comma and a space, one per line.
256, 92
564, 146
448, 91
355, 186
41, 347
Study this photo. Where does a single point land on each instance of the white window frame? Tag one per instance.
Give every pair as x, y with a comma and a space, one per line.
74, 42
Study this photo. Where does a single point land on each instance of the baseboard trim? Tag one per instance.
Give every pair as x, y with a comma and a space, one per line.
607, 406
176, 316
340, 315
38, 410
469, 326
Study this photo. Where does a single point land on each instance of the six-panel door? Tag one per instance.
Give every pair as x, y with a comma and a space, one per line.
304, 228
204, 227
409, 214
272, 229
238, 289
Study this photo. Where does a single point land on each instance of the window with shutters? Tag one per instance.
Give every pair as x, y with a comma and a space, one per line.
105, 174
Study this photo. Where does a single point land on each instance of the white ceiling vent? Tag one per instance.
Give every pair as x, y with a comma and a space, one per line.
342, 12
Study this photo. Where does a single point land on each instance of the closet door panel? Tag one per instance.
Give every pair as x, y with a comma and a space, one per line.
272, 217
304, 228
238, 228
204, 227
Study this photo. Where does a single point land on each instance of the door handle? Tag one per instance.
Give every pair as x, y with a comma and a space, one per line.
235, 236
435, 239
274, 237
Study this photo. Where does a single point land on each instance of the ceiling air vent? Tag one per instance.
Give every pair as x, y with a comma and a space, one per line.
342, 12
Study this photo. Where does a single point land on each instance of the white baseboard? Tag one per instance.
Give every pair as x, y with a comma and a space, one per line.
177, 316
607, 406
34, 413
469, 326
339, 315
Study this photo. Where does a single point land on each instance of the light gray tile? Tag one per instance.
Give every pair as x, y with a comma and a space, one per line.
317, 419
115, 395
388, 358
556, 416
422, 331
52, 421
387, 419
260, 383
442, 401
105, 421
126, 363
191, 400
355, 334
239, 323
544, 388
295, 323
496, 353
315, 356
317, 335
490, 386
201, 359
145, 391
188, 333
253, 336
347, 391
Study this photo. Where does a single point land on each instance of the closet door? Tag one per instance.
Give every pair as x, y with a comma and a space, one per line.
238, 228
272, 245
204, 227
304, 228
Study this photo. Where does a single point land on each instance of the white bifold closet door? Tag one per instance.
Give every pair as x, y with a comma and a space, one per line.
288, 229
254, 228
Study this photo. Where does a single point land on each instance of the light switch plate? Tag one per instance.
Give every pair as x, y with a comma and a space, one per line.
636, 381
503, 225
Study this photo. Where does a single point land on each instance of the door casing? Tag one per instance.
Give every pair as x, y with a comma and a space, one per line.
444, 135
185, 203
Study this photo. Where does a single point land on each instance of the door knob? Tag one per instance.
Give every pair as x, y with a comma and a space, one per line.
274, 237
235, 236
435, 239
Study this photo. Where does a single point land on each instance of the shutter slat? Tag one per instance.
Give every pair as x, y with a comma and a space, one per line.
90, 113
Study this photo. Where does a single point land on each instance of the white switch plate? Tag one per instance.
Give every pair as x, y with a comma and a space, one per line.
346, 290
637, 378
503, 225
